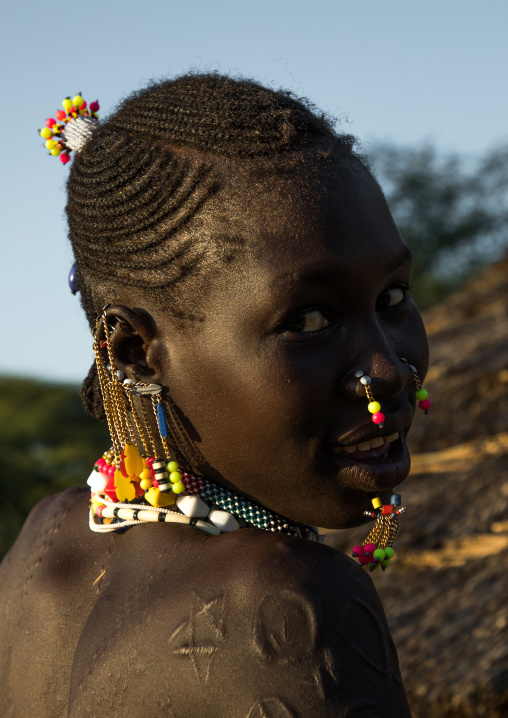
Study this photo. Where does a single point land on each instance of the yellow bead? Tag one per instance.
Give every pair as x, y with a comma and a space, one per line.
374, 407
376, 502
179, 487
146, 474
145, 484
77, 101
67, 104
50, 144
56, 151
159, 499
46, 133
175, 477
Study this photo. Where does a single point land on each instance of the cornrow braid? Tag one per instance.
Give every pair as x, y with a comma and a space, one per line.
139, 190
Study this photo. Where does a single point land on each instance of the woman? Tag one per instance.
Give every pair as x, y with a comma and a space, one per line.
235, 255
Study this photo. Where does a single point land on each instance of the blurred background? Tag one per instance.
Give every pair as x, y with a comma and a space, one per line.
424, 88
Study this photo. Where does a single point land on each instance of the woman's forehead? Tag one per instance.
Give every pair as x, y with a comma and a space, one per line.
311, 214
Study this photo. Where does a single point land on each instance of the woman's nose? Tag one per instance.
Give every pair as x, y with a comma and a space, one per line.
388, 373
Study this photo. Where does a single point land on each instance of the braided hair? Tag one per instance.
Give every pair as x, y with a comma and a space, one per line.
141, 193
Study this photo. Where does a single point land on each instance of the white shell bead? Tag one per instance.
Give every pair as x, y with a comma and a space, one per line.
97, 481
223, 520
192, 506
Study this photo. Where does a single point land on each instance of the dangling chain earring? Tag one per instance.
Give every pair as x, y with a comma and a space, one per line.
377, 549
130, 474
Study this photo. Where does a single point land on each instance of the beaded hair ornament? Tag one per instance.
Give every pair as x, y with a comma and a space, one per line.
137, 481
72, 127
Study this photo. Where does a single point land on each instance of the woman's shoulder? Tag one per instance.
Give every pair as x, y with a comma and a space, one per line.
296, 626
50, 523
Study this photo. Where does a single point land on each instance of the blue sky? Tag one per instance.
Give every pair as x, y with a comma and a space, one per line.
395, 70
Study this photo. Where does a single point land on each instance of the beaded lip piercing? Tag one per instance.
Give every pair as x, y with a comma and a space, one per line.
137, 482
72, 127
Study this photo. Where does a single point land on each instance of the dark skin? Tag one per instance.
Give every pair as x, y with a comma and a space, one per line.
167, 621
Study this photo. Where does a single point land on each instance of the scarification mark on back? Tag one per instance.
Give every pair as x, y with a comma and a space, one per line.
201, 635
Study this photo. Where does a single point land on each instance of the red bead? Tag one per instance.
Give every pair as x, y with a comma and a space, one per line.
149, 461
378, 418
94, 106
387, 509
64, 158
50, 122
424, 405
99, 510
358, 551
60, 115
369, 549
83, 105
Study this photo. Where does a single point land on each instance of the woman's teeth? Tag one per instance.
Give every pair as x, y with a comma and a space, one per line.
366, 445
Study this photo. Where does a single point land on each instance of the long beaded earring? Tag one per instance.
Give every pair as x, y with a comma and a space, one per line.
138, 464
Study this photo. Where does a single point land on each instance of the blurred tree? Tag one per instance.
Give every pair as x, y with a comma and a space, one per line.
47, 443
451, 211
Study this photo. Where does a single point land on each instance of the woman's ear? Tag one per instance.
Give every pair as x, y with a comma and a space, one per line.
133, 336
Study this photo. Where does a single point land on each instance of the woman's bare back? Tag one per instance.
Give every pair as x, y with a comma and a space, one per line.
167, 621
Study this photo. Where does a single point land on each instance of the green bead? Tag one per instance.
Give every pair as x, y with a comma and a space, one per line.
374, 407
389, 552
178, 487
173, 466
386, 562
175, 477
379, 553
421, 394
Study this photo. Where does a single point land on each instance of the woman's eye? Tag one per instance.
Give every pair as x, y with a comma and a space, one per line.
391, 297
310, 320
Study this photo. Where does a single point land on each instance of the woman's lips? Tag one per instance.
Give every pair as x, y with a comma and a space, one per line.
365, 450
376, 467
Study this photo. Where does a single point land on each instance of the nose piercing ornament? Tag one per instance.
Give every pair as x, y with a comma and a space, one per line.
374, 406
421, 394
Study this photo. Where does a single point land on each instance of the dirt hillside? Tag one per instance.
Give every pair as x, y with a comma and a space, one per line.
446, 593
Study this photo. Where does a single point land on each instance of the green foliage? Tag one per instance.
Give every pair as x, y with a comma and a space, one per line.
47, 443
452, 212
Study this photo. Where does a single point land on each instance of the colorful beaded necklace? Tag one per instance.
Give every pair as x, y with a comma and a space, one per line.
138, 491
